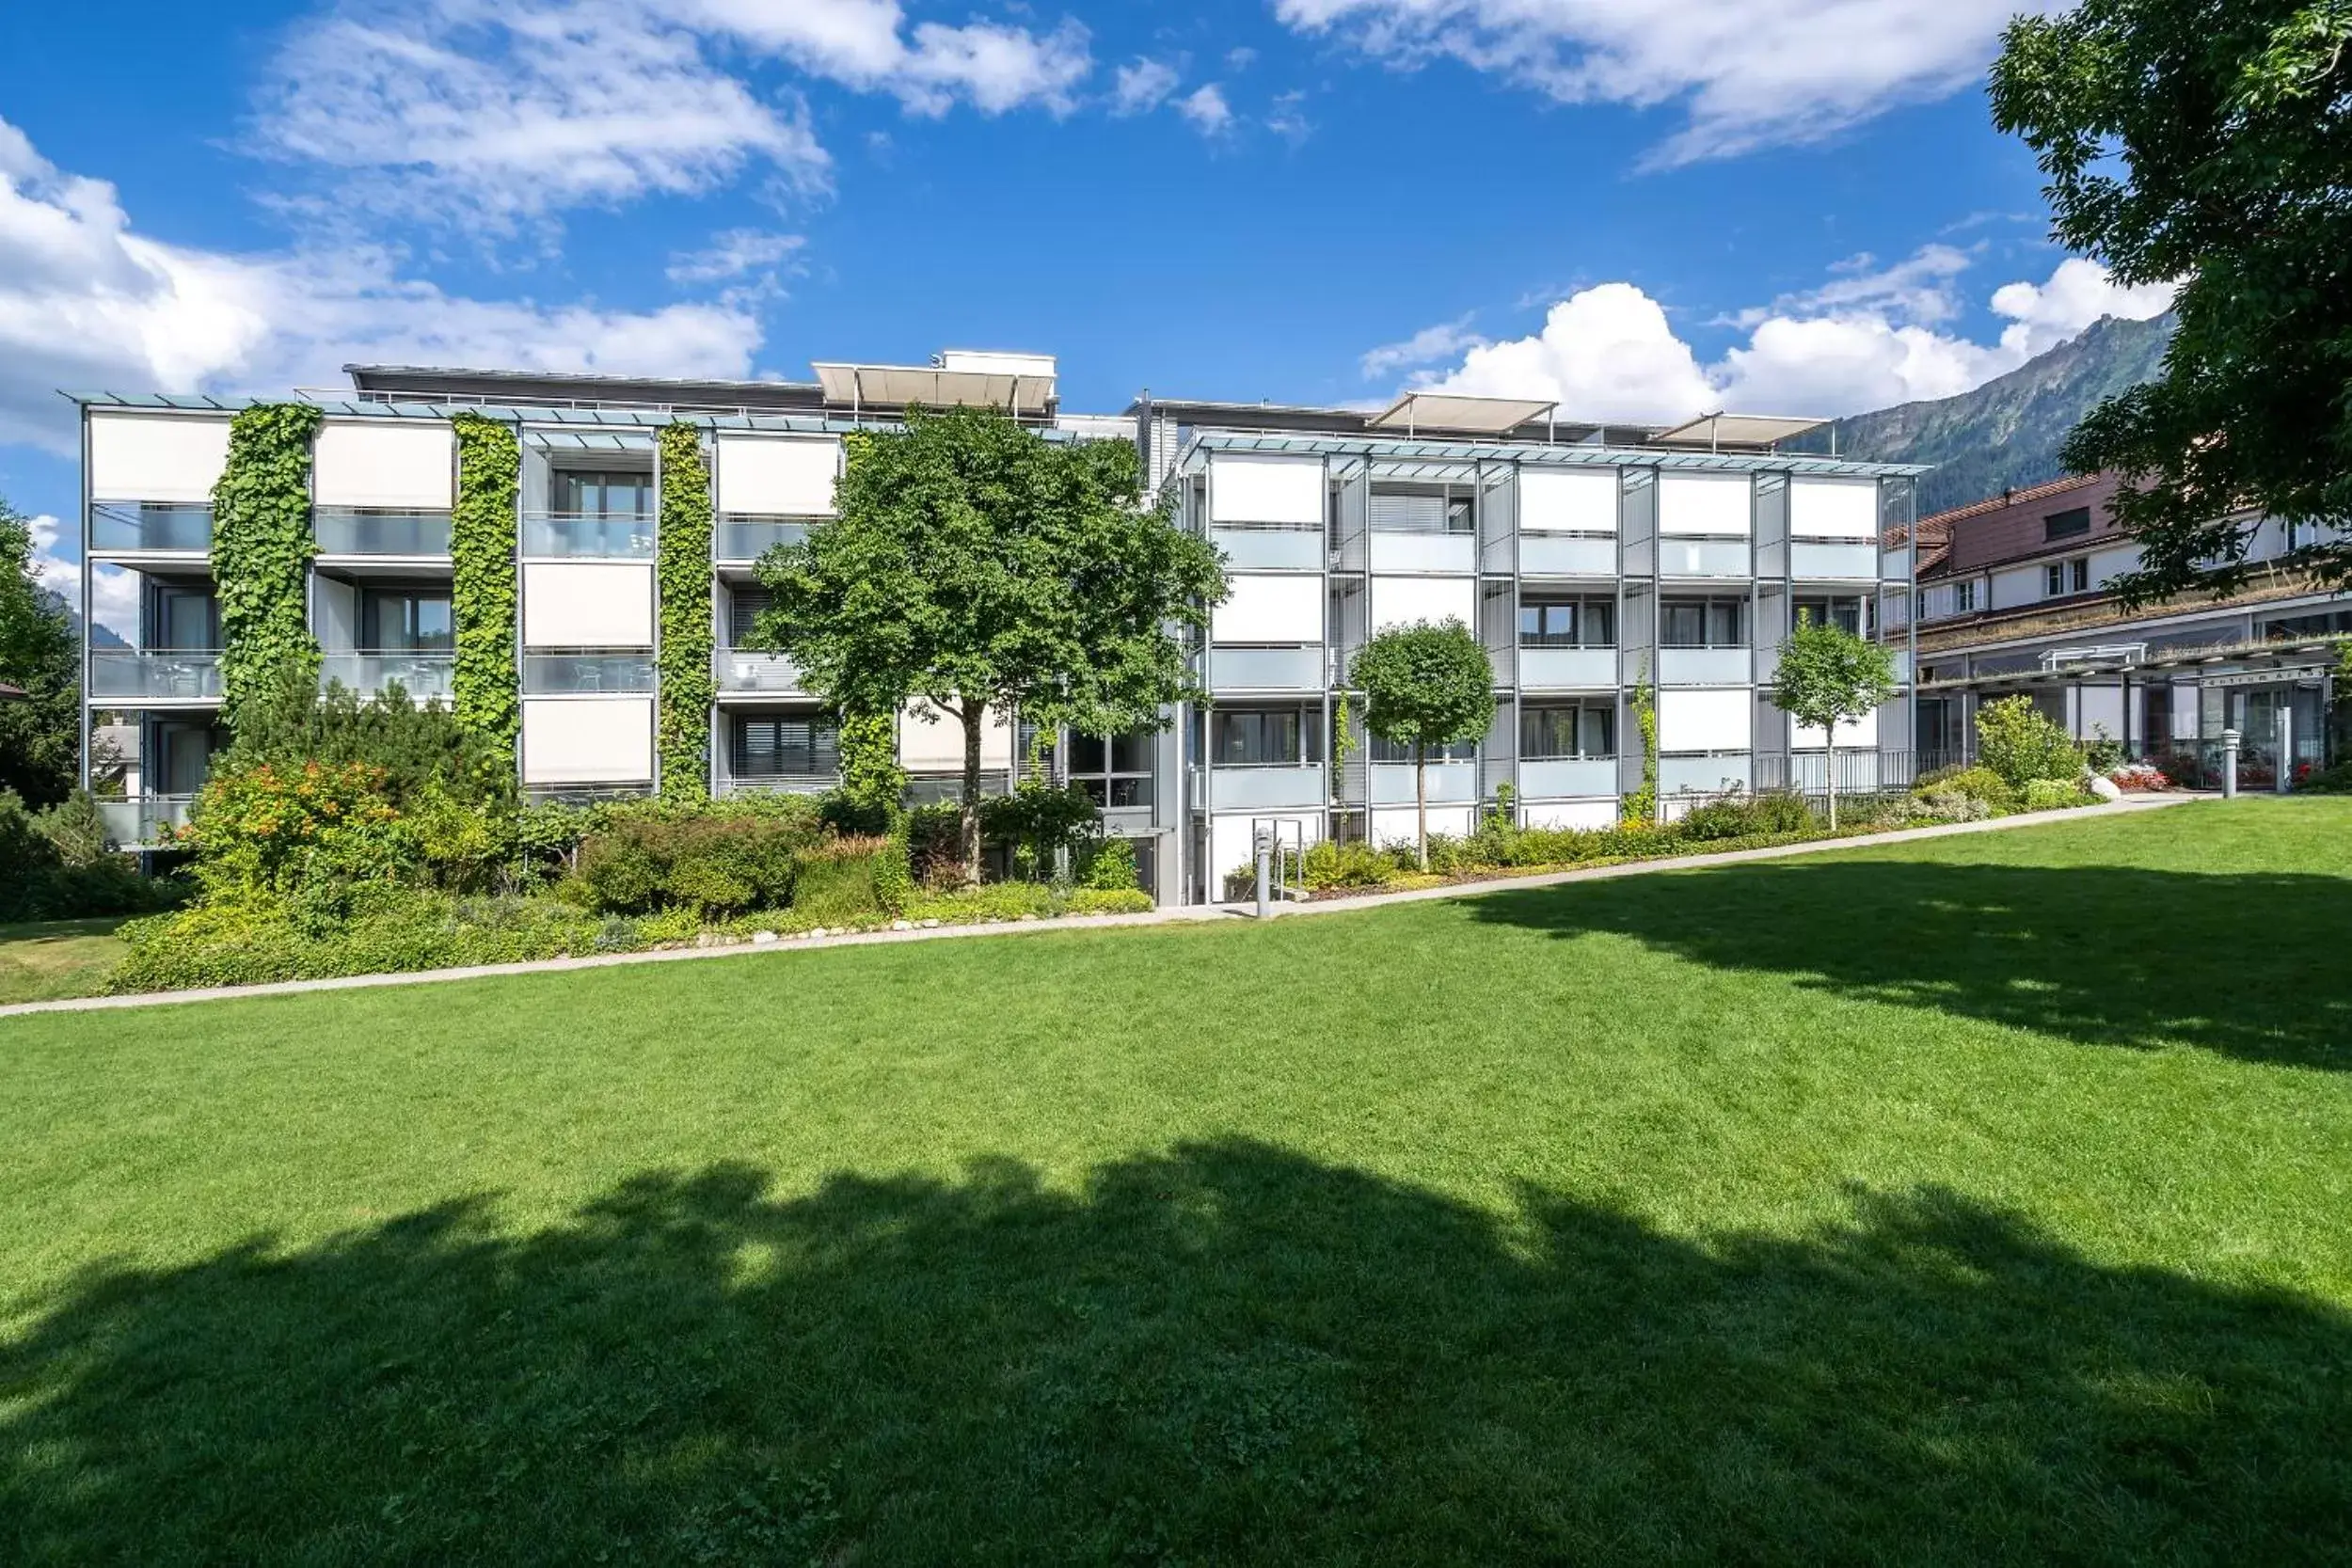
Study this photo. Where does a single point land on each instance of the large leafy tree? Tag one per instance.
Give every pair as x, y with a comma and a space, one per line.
1425, 685
41, 731
1828, 676
2208, 141
982, 567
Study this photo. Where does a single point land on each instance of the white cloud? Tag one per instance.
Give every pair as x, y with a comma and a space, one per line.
735, 253
87, 304
1287, 118
492, 115
1441, 341
1868, 339
1749, 74
1206, 108
1140, 88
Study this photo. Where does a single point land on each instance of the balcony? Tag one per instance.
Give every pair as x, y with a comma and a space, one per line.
1705, 666
746, 539
421, 676
1450, 782
586, 675
1567, 669
779, 784
1844, 562
1269, 550
739, 670
566, 534
167, 528
1704, 775
1425, 552
1278, 668
1543, 779
167, 675
343, 530
144, 822
1703, 558
1268, 788
1568, 555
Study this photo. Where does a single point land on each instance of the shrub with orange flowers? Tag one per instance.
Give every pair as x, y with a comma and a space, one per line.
279, 827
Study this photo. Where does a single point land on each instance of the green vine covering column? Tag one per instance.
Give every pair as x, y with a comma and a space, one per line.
261, 550
682, 554
1642, 805
485, 685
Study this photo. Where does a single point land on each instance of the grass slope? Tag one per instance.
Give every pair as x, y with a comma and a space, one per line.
56, 958
1977, 1200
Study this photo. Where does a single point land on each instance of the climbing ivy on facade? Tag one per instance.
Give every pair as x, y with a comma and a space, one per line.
261, 550
1642, 805
682, 558
485, 685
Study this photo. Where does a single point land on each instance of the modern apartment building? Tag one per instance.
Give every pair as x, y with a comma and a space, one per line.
1591, 559
2013, 597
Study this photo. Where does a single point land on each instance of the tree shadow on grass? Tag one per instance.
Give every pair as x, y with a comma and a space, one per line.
1228, 1354
2248, 965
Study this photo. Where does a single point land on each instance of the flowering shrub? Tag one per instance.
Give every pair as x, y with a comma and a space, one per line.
275, 828
2139, 776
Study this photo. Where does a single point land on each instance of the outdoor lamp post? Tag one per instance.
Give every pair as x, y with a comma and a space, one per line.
2229, 765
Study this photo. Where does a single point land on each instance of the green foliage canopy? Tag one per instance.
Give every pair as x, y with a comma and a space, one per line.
485, 685
2208, 141
683, 566
40, 731
261, 550
1829, 676
1425, 685
2018, 741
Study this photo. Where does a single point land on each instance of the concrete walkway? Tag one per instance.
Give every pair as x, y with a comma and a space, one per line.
1081, 923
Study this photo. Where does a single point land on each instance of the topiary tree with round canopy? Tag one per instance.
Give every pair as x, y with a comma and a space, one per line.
1828, 676
1425, 685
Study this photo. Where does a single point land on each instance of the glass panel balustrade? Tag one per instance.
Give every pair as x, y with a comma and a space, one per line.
1270, 549
421, 676
345, 530
578, 674
157, 675
612, 536
749, 538
742, 670
1278, 668
177, 526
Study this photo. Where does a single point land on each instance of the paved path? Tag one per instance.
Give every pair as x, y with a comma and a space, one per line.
1080, 923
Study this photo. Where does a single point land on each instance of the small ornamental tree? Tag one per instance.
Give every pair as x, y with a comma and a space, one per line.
1829, 676
978, 565
1425, 686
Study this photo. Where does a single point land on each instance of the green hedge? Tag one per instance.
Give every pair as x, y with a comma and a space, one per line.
261, 550
682, 555
486, 686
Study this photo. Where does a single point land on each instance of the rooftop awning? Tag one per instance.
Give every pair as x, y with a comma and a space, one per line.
1737, 430
904, 385
1419, 411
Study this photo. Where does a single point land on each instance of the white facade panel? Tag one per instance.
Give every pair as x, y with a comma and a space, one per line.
389, 463
587, 740
1568, 500
2108, 564
932, 742
1401, 601
156, 457
1397, 824
2012, 589
1864, 734
778, 476
1251, 487
1705, 721
587, 603
1267, 609
1834, 508
1573, 813
1704, 503
1233, 846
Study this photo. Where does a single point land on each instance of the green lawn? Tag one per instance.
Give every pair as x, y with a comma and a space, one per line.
1980, 1199
56, 958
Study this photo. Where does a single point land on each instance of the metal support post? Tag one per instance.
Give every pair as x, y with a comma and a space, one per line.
2228, 764
1264, 837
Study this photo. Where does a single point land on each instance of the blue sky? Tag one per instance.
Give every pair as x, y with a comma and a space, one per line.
1639, 208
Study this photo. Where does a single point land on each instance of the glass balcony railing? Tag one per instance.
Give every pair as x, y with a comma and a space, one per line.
1423, 553
1705, 666
1448, 782
144, 822
179, 527
159, 676
1567, 669
1548, 777
749, 538
1568, 555
1241, 788
1815, 561
1704, 775
1267, 668
351, 531
1703, 558
1270, 549
581, 674
422, 674
624, 536
742, 670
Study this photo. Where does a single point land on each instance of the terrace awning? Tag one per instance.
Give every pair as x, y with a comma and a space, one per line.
1419, 411
907, 386
1738, 430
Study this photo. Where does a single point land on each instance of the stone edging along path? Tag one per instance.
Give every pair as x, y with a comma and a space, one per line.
1196, 914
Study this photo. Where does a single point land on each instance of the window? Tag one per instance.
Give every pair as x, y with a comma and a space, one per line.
186, 620
2067, 524
1265, 737
1398, 752
1417, 511
2066, 577
1116, 771
1560, 733
406, 619
745, 606
1589, 623
1964, 596
776, 748
1703, 624
1847, 614
2333, 622
580, 493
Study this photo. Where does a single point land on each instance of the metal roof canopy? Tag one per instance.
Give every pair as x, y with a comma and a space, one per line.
908, 386
1417, 411
1537, 453
1741, 430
